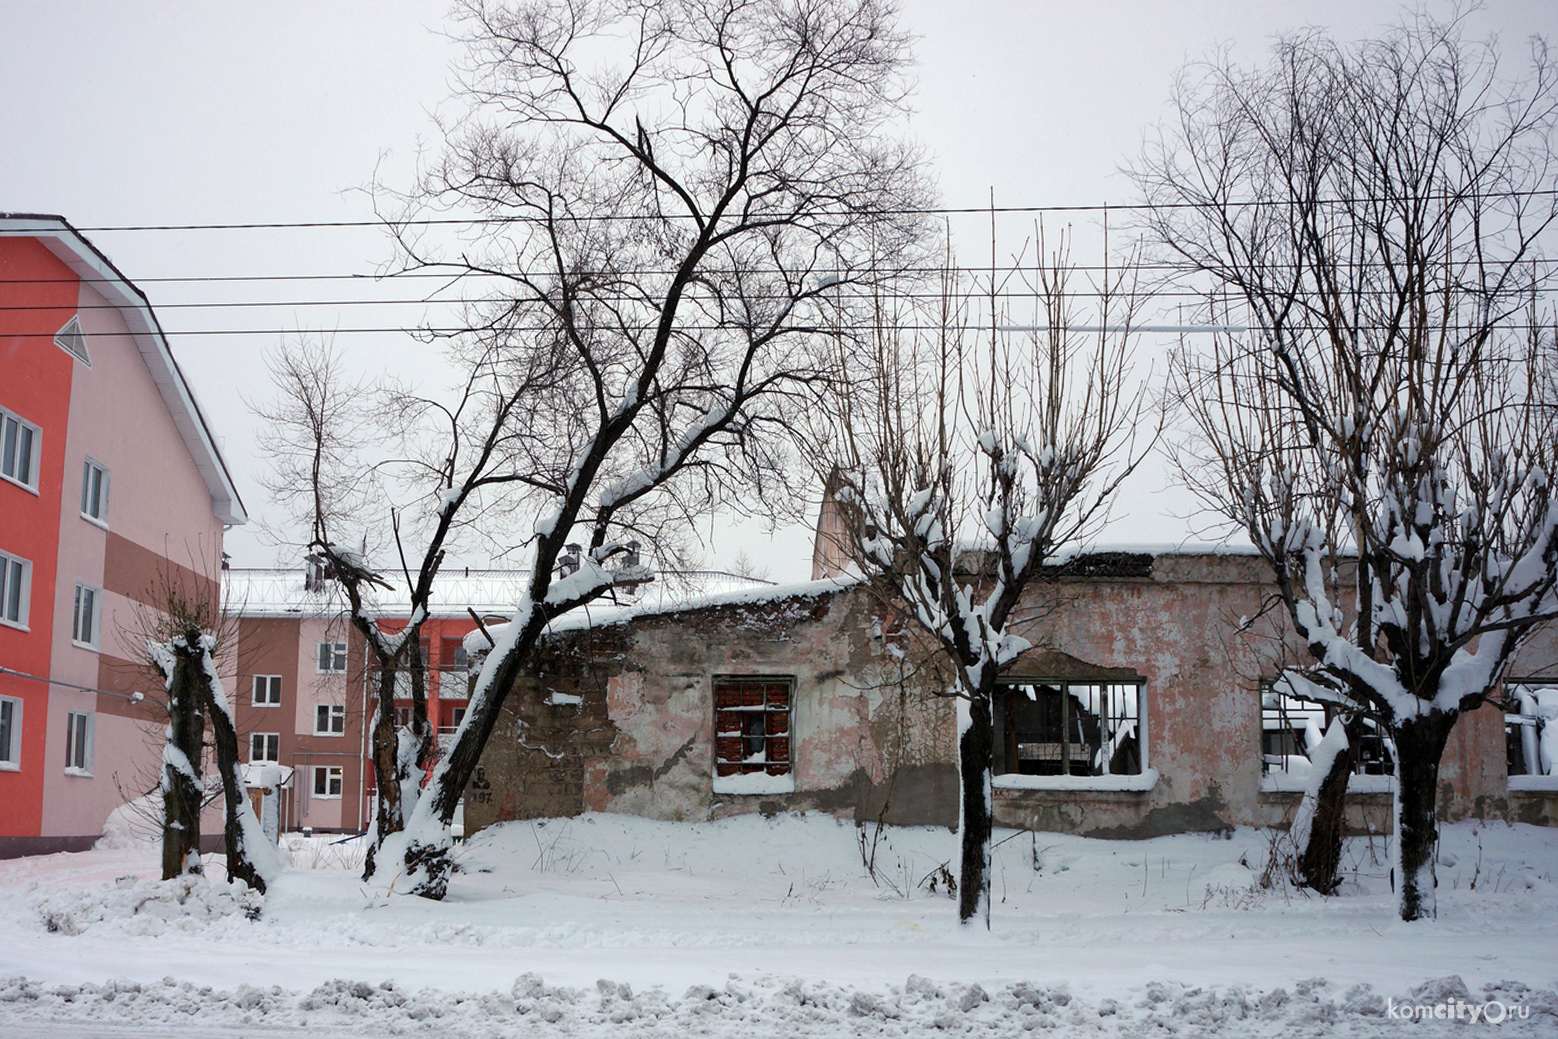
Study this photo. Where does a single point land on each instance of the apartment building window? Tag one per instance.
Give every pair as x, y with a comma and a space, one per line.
267, 690
20, 445
328, 780
15, 589
94, 492
78, 743
453, 655
332, 658
87, 616
10, 733
264, 746
752, 735
330, 719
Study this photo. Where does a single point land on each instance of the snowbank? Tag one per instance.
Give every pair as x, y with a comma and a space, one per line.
188, 904
620, 925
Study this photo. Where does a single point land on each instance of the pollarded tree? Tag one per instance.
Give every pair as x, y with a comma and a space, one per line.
961, 466
666, 197
1386, 434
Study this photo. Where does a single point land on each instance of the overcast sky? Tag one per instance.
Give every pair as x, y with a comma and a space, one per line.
124, 113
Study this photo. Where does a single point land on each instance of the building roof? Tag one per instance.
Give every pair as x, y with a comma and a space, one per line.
91, 266
282, 592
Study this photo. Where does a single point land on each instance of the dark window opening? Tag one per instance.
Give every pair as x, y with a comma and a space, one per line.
1068, 729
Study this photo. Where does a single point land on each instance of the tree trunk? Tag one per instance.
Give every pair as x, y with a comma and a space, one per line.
432, 862
976, 748
1319, 861
1419, 745
388, 816
235, 803
182, 790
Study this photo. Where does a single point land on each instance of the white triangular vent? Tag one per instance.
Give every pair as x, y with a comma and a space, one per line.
72, 340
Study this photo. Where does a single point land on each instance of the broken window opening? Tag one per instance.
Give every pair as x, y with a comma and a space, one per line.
1291, 728
1530, 735
752, 726
1054, 728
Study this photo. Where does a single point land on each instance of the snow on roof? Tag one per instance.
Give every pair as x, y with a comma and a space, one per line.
256, 592
90, 265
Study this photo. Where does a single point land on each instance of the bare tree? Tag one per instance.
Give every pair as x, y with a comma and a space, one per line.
1386, 434
664, 196
341, 453
961, 466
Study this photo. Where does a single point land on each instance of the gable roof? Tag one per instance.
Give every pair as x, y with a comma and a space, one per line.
91, 266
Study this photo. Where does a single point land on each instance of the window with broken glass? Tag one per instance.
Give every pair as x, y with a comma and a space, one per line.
1531, 728
1291, 728
752, 726
1045, 728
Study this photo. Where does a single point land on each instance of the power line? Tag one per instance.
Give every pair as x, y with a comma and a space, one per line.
1009, 294
649, 328
1091, 207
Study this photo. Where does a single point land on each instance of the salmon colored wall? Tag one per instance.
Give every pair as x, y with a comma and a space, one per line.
35, 383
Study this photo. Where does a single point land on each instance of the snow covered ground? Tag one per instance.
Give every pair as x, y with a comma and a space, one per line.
616, 926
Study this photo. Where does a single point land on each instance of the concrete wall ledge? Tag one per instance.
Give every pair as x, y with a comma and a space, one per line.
1137, 784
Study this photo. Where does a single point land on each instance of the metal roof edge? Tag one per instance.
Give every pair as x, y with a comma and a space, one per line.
92, 266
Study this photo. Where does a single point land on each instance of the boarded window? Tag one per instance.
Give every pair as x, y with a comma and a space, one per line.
752, 726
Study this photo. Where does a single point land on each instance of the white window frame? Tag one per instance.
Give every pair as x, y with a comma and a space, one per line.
70, 337
337, 658
271, 684
330, 719
332, 775
11, 746
95, 618
15, 583
269, 738
100, 516
80, 729
10, 443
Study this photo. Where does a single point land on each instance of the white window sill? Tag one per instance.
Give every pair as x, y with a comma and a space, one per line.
265, 705
1145, 781
95, 521
326, 797
1533, 782
84, 645
17, 483
332, 735
13, 624
1293, 783
755, 783
10, 766
71, 770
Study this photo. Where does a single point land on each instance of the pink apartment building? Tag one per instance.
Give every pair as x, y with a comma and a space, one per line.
111, 488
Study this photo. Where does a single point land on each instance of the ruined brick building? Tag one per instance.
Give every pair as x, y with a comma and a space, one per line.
1143, 709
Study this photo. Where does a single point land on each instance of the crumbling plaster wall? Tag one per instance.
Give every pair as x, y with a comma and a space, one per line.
620, 718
